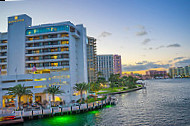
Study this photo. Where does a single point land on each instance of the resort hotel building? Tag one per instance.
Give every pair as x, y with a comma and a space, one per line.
41, 56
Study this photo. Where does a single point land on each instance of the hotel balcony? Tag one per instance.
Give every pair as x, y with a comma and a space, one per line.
47, 33
3, 44
48, 67
47, 53
47, 60
46, 40
3, 63
3, 50
46, 46
3, 57
75, 34
3, 69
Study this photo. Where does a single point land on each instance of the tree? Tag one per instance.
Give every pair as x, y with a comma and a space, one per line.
53, 90
99, 74
81, 87
112, 85
114, 78
101, 80
131, 81
19, 90
95, 87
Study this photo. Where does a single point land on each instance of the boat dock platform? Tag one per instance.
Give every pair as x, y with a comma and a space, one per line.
53, 111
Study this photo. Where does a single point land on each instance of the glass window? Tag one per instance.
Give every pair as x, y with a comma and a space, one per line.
47, 29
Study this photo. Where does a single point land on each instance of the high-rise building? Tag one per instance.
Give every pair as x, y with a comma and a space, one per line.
41, 56
172, 72
91, 59
186, 71
109, 64
117, 64
180, 71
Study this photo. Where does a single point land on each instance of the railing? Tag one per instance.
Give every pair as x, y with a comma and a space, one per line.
55, 110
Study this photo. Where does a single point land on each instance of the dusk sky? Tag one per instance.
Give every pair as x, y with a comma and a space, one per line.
146, 33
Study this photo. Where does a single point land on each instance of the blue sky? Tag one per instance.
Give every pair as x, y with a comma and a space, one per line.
146, 33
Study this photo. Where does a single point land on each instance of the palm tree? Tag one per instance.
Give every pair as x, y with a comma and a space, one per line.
19, 90
81, 87
53, 90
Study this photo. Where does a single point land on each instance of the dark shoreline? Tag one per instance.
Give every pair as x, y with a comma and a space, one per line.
134, 89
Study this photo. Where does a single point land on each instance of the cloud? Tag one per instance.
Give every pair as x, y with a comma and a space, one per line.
146, 41
140, 27
160, 47
141, 33
173, 45
183, 63
178, 58
104, 34
168, 46
146, 66
150, 48
143, 62
170, 61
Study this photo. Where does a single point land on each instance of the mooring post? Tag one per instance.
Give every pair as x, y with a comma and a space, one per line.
93, 104
71, 109
87, 106
52, 112
61, 111
42, 113
105, 102
79, 108
32, 114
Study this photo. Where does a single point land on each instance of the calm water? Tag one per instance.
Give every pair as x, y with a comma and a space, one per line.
164, 102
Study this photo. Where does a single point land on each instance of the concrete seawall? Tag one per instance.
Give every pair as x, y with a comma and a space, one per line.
135, 89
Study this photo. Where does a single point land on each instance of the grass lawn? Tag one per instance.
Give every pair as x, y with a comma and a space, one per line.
110, 90
93, 99
115, 89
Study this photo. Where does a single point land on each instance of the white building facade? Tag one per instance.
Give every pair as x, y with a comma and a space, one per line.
105, 65
57, 50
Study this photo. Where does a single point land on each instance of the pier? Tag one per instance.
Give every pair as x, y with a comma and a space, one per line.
56, 111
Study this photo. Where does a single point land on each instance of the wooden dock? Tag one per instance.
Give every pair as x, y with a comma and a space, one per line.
64, 110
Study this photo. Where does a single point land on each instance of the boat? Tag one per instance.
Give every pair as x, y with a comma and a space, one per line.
7, 119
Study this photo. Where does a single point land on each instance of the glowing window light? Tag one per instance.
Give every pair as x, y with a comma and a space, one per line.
41, 79
40, 86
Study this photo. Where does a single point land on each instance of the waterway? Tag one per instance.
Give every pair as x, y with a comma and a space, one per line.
163, 103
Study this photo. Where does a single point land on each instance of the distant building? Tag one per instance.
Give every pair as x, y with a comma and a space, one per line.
91, 59
172, 72
105, 65
117, 64
187, 71
179, 71
156, 74
109, 64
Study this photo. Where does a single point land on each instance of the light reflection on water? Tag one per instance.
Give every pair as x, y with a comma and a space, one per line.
164, 102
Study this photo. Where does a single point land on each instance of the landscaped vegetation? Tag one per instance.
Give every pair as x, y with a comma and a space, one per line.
101, 86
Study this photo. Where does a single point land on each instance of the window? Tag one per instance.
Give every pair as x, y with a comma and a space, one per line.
47, 29
64, 49
64, 35
54, 57
54, 64
64, 42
